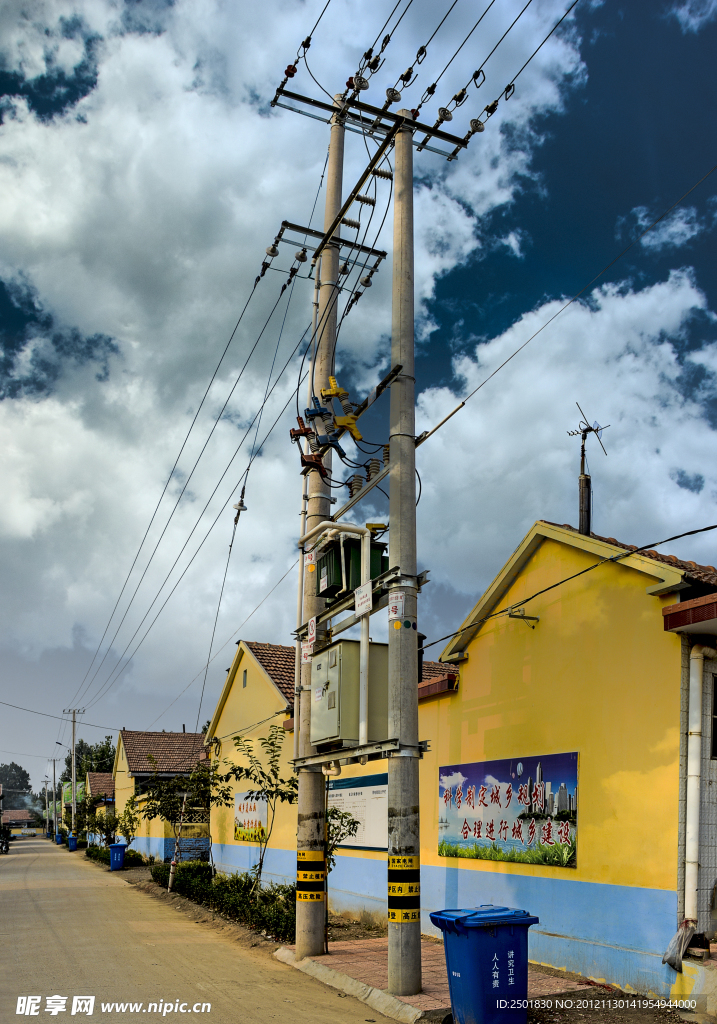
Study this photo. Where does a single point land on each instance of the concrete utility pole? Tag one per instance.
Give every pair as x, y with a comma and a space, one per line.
47, 809
404, 843
74, 712
54, 799
311, 828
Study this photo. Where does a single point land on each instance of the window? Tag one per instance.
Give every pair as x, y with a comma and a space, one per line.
243, 679
713, 752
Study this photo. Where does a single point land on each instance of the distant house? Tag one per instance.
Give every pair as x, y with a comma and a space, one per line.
139, 755
102, 785
17, 820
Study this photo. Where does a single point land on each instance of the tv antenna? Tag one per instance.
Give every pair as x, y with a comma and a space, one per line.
585, 487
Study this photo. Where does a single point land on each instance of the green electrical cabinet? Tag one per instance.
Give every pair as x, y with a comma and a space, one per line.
333, 579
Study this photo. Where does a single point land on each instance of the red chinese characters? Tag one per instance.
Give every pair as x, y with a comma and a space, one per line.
546, 833
471, 797
508, 795
517, 831
523, 797
503, 830
447, 798
495, 795
563, 831
539, 796
459, 796
481, 797
490, 831
477, 826
531, 832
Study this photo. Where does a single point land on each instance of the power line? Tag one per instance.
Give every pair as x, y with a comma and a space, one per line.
227, 642
428, 433
183, 490
432, 88
44, 714
110, 682
164, 489
603, 561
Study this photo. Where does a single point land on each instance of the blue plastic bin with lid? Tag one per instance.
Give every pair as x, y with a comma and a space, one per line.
58, 838
72, 843
487, 963
117, 851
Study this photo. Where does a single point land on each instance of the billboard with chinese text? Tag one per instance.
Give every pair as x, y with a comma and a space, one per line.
517, 809
250, 817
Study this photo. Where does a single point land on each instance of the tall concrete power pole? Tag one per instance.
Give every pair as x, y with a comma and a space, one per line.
74, 712
311, 828
404, 843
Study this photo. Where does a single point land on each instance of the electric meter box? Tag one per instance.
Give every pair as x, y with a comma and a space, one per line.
335, 695
331, 580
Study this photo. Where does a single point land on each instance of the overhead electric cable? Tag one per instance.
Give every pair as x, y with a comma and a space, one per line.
596, 565
183, 490
432, 88
407, 76
164, 489
227, 642
44, 714
110, 681
424, 436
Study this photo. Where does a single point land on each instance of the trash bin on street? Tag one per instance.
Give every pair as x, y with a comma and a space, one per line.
72, 843
117, 856
487, 963
49, 834
58, 838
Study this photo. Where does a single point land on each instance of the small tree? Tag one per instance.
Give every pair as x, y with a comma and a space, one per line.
267, 785
104, 826
206, 786
340, 825
128, 821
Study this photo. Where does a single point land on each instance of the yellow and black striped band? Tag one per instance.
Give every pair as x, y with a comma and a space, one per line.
310, 875
404, 889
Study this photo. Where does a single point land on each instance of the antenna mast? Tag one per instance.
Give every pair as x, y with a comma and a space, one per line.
585, 484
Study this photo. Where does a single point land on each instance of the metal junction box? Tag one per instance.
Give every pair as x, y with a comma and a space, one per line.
335, 695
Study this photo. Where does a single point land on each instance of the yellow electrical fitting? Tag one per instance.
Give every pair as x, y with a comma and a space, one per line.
349, 423
334, 391
375, 527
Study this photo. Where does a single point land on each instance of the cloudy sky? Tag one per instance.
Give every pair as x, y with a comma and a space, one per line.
143, 173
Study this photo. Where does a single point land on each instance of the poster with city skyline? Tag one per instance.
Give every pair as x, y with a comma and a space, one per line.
523, 810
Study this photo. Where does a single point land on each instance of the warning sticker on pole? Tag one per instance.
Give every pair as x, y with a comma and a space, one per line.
363, 597
311, 631
306, 651
396, 600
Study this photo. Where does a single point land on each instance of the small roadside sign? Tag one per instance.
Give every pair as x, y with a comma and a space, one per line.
395, 605
306, 651
311, 632
363, 597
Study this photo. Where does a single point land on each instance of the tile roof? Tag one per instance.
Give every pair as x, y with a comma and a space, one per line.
172, 751
101, 784
436, 670
20, 816
698, 573
278, 663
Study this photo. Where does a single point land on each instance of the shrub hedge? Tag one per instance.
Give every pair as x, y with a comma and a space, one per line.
270, 908
132, 858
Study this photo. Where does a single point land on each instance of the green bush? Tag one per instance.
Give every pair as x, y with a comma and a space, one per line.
270, 909
132, 858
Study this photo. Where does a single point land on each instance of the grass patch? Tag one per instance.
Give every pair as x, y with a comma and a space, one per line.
557, 856
270, 908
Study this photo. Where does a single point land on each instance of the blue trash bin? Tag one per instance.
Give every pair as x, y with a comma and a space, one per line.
72, 843
487, 963
58, 838
117, 856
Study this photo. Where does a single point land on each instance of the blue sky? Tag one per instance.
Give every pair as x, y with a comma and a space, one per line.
144, 174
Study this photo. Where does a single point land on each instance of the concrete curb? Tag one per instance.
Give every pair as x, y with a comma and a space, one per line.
376, 998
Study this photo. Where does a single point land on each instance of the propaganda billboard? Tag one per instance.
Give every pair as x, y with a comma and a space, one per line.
250, 818
523, 810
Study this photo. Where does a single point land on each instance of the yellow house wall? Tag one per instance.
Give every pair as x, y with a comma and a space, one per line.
598, 675
243, 707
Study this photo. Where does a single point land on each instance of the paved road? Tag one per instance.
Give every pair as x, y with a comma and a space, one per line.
71, 928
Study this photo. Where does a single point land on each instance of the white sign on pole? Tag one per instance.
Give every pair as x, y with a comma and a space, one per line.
306, 651
363, 597
395, 605
311, 633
